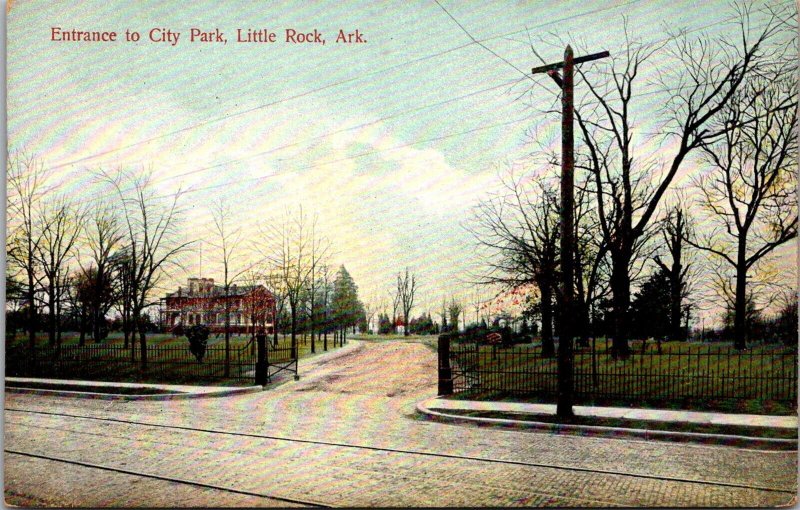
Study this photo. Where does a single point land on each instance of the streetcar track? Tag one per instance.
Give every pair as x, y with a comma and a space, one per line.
417, 452
168, 478
250, 493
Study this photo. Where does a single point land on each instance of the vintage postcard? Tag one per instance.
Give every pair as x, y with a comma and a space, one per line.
401, 254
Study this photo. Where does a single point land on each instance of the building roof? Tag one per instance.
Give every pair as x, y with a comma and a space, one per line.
216, 291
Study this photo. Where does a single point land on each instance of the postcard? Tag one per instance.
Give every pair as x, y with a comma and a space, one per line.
401, 254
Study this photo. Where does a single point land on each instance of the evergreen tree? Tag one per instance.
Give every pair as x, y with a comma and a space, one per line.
346, 307
651, 307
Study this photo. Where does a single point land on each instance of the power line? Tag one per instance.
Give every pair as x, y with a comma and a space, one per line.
403, 112
328, 86
331, 133
367, 153
344, 130
356, 156
409, 110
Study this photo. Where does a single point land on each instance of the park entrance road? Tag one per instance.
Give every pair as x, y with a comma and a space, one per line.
346, 434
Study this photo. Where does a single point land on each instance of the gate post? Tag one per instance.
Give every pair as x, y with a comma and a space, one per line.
261, 360
445, 372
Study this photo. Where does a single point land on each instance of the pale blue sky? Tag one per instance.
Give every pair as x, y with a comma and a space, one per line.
217, 116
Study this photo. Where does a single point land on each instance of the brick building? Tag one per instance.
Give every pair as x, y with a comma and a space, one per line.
203, 302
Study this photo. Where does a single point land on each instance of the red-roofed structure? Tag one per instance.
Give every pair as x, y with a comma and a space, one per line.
202, 302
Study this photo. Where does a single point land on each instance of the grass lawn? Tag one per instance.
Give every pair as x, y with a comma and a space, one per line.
429, 340
169, 359
684, 375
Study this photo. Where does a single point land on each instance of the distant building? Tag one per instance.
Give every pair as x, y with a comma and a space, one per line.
203, 302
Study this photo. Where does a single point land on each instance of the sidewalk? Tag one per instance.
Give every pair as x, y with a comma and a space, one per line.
105, 389
126, 391
525, 415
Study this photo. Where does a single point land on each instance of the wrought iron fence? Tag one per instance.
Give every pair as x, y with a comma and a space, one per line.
678, 371
116, 362
281, 358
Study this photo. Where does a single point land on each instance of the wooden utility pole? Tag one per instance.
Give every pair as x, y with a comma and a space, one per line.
565, 355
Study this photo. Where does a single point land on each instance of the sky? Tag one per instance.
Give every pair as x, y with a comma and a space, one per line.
390, 142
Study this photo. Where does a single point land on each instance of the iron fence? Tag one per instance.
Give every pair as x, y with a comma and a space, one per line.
678, 371
117, 362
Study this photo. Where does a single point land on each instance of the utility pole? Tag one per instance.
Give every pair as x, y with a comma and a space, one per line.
565, 355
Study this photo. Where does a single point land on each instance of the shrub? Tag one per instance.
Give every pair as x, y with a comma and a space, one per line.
198, 340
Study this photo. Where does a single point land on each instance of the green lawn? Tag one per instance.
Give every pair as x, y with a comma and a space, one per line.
169, 359
683, 374
430, 340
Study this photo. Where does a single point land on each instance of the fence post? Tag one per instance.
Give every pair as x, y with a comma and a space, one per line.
445, 372
261, 361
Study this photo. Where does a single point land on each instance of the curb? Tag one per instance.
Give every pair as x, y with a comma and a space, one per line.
178, 395
616, 432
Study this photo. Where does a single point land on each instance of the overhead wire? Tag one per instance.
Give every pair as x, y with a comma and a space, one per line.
327, 86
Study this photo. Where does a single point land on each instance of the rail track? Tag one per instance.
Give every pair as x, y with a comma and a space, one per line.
167, 478
345, 445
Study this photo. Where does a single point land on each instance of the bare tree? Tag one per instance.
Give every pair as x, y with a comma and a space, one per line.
122, 265
396, 306
326, 289
104, 238
443, 314
254, 308
478, 301
274, 282
454, 310
151, 242
25, 177
590, 261
61, 226
287, 252
320, 248
705, 79
228, 242
675, 230
751, 191
369, 314
519, 231
406, 289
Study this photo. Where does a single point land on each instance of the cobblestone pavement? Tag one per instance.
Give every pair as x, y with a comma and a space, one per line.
347, 434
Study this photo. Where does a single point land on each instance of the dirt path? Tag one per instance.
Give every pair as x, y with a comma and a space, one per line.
386, 369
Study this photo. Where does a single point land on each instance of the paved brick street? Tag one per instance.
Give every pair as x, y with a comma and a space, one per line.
347, 434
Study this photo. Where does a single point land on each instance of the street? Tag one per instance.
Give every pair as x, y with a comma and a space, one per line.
346, 434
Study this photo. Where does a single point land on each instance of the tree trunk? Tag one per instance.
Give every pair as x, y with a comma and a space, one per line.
51, 321
227, 339
137, 320
82, 337
294, 334
546, 303
740, 306
675, 306
126, 318
313, 323
125, 327
31, 314
58, 326
621, 290
582, 310
675, 283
